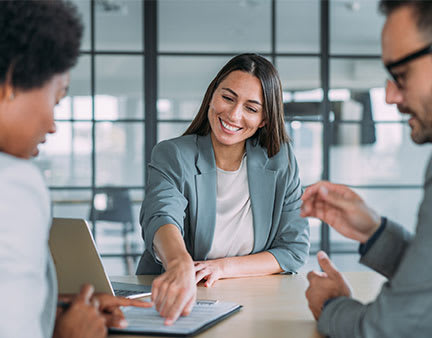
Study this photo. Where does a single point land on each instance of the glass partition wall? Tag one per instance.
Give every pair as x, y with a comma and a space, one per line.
142, 74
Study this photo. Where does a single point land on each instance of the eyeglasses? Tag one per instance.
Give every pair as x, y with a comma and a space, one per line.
396, 77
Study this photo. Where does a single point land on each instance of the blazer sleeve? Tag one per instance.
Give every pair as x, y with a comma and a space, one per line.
386, 253
164, 202
403, 307
291, 242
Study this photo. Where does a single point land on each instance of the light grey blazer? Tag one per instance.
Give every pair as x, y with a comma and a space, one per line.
181, 190
404, 306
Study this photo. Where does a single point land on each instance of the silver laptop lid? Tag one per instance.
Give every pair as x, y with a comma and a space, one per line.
75, 257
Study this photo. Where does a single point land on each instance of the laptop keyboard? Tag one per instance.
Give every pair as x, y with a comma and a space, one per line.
127, 289
125, 293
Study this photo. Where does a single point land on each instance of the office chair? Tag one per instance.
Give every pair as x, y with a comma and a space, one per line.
112, 204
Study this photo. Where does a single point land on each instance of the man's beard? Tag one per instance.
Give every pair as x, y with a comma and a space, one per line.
421, 132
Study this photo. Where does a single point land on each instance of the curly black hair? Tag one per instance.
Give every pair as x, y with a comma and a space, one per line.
422, 11
38, 39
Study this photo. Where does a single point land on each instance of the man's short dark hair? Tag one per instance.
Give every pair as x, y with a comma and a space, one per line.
38, 39
422, 10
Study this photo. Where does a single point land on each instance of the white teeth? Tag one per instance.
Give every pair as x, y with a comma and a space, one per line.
229, 127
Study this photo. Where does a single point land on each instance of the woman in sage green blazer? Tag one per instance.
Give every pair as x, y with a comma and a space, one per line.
240, 121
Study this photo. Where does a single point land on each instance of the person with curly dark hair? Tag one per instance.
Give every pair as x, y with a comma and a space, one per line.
39, 43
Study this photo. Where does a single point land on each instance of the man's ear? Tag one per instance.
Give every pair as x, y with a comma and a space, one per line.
6, 92
6, 89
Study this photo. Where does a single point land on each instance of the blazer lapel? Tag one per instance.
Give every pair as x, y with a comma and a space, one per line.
205, 182
262, 187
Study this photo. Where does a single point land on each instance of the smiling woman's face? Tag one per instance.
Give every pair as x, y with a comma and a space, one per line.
236, 109
28, 116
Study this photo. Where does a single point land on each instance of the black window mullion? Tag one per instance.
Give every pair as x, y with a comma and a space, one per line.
151, 76
325, 64
93, 93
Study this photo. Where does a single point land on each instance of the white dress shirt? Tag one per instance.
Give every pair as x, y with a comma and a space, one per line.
27, 278
234, 234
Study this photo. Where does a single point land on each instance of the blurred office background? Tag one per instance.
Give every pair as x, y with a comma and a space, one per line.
145, 66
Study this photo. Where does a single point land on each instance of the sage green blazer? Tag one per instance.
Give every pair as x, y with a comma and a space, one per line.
181, 190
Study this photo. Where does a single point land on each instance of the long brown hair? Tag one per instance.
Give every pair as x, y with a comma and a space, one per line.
272, 135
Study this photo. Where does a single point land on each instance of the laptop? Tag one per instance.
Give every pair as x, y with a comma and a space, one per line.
77, 261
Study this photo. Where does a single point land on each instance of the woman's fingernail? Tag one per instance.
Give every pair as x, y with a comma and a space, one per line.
123, 323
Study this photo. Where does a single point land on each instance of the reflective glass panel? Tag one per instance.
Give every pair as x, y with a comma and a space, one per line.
78, 103
297, 23
119, 25
71, 203
84, 10
214, 26
366, 154
299, 74
119, 88
119, 154
306, 139
168, 130
400, 205
183, 82
65, 159
110, 235
361, 94
357, 74
355, 27
315, 232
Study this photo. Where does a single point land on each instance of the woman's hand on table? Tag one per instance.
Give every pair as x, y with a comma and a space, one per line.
174, 292
210, 271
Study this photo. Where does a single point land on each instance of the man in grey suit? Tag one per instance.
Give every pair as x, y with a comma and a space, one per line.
404, 306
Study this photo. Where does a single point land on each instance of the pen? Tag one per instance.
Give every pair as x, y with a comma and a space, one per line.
62, 304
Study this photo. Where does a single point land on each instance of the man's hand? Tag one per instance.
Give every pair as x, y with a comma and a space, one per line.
82, 319
109, 306
210, 271
325, 285
174, 292
341, 208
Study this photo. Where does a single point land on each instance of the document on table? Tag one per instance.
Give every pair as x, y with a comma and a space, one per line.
204, 314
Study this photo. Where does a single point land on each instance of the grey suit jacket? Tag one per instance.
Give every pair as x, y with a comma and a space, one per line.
181, 190
404, 306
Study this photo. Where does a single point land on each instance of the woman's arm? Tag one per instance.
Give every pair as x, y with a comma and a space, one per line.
173, 292
290, 240
259, 264
164, 201
162, 219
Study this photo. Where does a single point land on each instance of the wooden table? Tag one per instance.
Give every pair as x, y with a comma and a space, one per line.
273, 306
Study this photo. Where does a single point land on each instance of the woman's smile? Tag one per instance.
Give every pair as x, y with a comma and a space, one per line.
229, 128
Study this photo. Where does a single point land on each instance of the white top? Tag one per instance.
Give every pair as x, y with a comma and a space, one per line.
27, 278
234, 234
